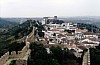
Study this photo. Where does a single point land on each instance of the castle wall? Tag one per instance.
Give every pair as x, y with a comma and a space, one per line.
4, 58
20, 54
13, 55
21, 62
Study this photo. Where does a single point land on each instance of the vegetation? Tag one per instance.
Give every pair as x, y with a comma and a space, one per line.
13, 62
39, 55
89, 27
95, 56
21, 30
8, 37
54, 34
41, 34
39, 30
15, 46
6, 24
55, 21
70, 31
57, 56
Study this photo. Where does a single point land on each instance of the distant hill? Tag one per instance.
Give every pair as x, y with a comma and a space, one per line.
6, 24
20, 30
95, 20
78, 19
20, 20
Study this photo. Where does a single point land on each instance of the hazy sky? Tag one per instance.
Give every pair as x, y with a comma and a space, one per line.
40, 8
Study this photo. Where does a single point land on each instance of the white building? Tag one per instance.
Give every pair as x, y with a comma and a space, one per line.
90, 35
71, 26
70, 36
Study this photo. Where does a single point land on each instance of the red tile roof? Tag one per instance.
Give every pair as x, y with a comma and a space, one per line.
70, 34
88, 33
79, 30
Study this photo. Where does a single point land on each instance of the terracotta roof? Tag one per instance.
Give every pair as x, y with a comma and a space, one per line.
54, 30
80, 30
93, 39
70, 34
61, 35
77, 43
69, 46
88, 33
71, 41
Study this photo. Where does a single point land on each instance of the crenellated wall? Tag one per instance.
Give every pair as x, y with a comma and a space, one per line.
14, 55
20, 54
4, 58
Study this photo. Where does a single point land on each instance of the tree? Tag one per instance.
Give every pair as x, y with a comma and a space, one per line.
53, 62
98, 47
54, 34
15, 46
94, 54
41, 34
41, 57
39, 54
57, 53
57, 56
35, 46
48, 28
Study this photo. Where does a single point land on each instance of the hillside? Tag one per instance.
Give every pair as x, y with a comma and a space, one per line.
20, 20
12, 34
6, 24
83, 19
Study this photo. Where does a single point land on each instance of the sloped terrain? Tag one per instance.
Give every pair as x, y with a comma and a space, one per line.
6, 24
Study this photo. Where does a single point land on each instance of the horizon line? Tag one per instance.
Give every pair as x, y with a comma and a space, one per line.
45, 16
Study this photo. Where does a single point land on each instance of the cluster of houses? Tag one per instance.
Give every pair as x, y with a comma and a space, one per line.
77, 39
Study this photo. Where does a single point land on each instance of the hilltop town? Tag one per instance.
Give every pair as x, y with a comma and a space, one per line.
67, 33
52, 32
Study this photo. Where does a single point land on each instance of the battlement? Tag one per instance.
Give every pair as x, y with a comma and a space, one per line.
4, 58
14, 55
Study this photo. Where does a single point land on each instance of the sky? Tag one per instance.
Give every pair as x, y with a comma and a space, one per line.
41, 8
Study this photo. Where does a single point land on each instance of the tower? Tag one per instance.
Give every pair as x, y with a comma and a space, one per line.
55, 17
45, 19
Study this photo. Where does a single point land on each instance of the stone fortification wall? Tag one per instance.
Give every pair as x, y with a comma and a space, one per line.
21, 62
20, 54
13, 55
4, 58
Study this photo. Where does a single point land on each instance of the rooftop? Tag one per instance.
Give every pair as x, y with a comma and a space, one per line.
88, 33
